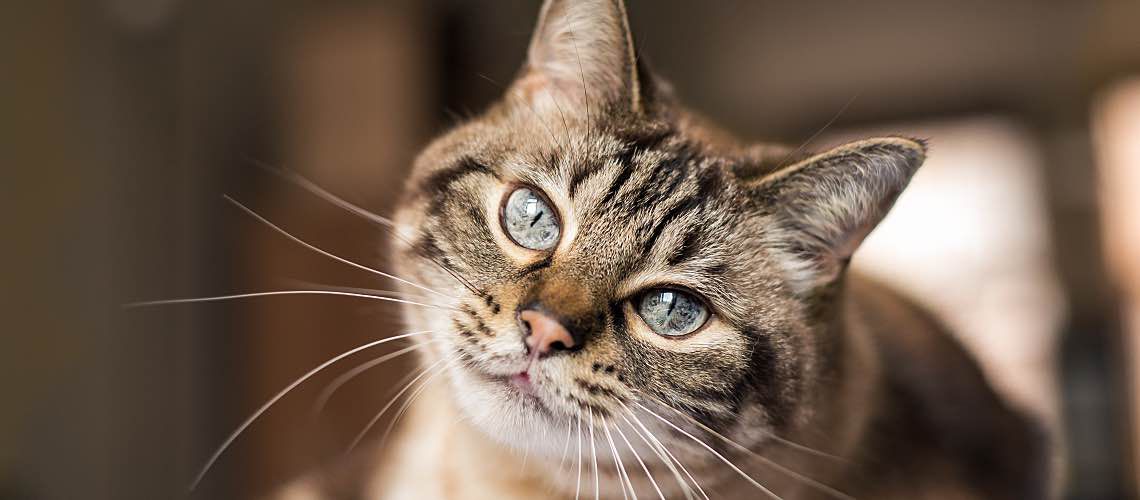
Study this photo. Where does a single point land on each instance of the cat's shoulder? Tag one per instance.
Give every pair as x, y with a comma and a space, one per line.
937, 414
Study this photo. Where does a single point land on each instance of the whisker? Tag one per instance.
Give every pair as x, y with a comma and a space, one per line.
520, 97
821, 130
582, 78
314, 248
557, 105
578, 484
771, 435
565, 447
711, 450
344, 378
526, 456
272, 293
360, 436
806, 480
807, 449
685, 488
668, 457
623, 475
407, 404
248, 421
310, 186
594, 454
372, 291
648, 475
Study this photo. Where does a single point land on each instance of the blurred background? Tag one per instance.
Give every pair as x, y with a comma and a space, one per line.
125, 121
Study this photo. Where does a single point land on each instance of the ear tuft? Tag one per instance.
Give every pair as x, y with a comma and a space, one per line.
581, 55
826, 205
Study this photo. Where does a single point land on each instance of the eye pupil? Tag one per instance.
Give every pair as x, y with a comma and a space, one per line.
672, 313
529, 220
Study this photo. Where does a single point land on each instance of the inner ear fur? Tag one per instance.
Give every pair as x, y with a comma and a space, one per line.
581, 55
825, 206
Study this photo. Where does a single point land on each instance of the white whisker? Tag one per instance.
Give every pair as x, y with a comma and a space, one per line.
363, 432
711, 450
407, 404
312, 187
565, 447
241, 428
344, 378
822, 129
578, 485
617, 427
771, 435
526, 102
685, 488
807, 480
594, 454
582, 77
387, 223
371, 291
220, 298
623, 475
526, 456
314, 248
670, 461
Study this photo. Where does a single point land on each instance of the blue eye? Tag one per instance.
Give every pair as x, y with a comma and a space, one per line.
672, 313
529, 220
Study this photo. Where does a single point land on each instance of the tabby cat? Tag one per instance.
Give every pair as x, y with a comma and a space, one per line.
631, 304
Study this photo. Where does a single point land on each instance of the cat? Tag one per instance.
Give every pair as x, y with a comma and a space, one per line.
630, 303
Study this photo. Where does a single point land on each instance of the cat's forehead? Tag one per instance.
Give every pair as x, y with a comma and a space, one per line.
638, 206
639, 209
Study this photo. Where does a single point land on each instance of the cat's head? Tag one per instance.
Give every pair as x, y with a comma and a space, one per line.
602, 252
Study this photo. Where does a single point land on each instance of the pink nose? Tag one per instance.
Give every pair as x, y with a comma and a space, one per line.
546, 334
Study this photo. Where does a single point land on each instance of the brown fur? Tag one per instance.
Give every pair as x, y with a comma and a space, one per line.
825, 384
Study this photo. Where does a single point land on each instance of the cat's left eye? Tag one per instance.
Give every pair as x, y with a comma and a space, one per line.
529, 221
672, 313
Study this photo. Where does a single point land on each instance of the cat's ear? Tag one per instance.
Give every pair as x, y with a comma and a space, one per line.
824, 206
581, 56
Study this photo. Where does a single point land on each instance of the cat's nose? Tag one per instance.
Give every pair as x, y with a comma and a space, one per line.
544, 333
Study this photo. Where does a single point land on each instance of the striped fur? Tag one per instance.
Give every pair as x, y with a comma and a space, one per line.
648, 197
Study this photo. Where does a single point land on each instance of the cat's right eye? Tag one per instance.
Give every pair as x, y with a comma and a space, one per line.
529, 221
672, 313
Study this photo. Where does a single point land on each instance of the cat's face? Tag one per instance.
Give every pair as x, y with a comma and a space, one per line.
648, 252
600, 256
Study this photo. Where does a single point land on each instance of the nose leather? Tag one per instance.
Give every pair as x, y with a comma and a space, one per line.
545, 334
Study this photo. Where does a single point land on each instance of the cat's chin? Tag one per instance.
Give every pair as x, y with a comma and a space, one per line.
509, 410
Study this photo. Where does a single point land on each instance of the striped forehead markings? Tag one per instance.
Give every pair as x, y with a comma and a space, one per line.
625, 158
708, 182
440, 181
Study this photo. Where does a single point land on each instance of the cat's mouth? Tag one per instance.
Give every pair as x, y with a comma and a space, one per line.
521, 381
523, 386
520, 385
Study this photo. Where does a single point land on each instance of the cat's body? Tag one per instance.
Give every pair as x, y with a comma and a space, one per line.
681, 298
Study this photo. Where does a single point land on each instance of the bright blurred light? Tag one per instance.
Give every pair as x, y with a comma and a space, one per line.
1116, 138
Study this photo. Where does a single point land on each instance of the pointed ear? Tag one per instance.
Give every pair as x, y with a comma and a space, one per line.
581, 56
824, 206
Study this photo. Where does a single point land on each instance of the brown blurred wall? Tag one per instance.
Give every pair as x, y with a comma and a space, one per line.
125, 120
